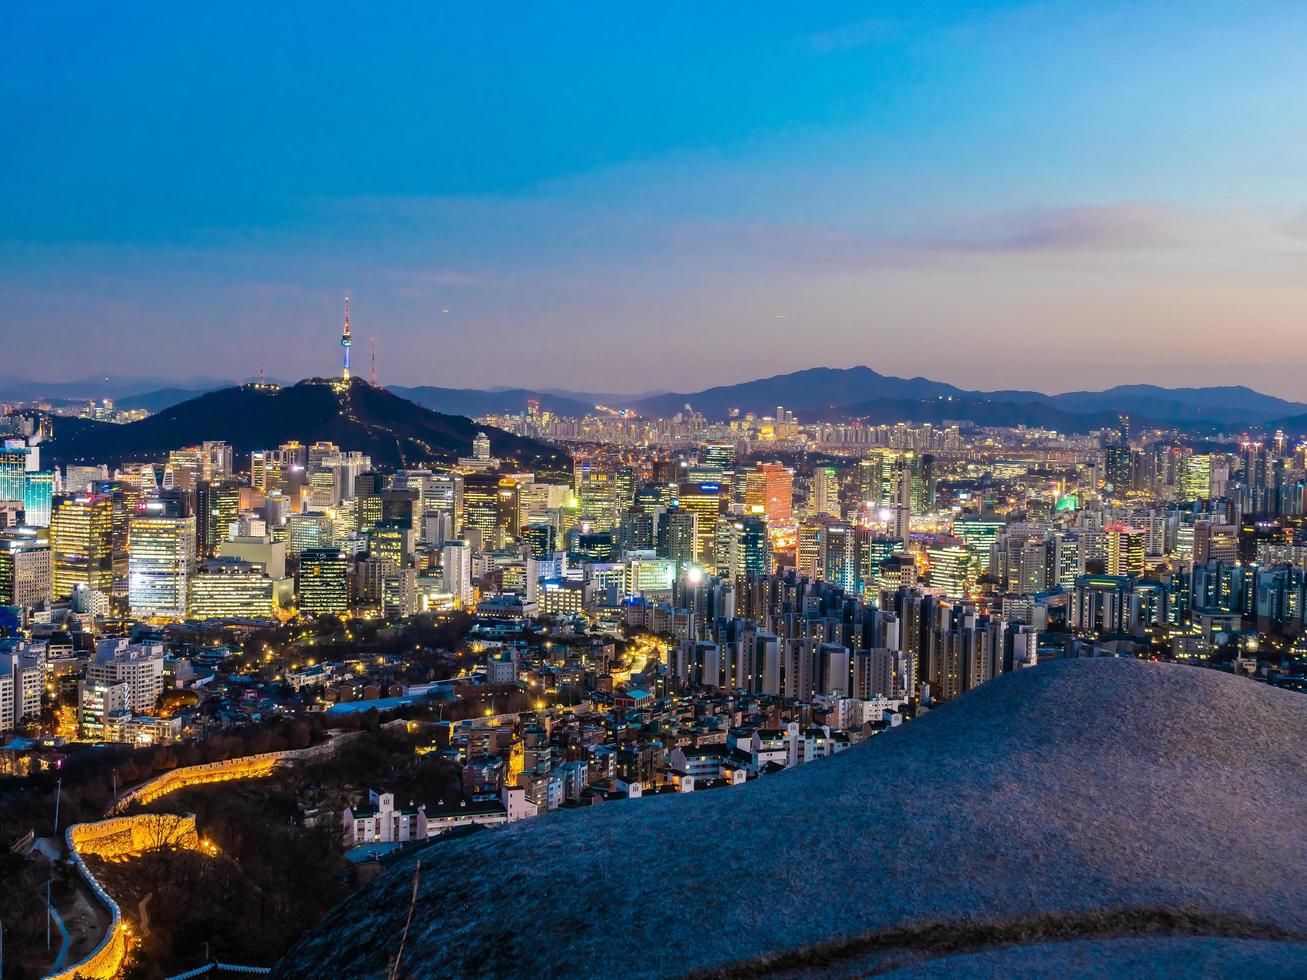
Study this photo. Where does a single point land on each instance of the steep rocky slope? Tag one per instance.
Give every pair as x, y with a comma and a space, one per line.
1089, 799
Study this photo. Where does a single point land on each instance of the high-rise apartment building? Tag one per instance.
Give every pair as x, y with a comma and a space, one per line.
26, 568
20, 690
825, 500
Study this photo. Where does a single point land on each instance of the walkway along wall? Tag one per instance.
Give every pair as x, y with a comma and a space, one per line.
244, 767
114, 838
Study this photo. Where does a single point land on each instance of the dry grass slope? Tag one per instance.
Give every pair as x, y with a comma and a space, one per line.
1079, 792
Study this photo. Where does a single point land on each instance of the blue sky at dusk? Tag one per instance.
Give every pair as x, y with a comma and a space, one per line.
628, 197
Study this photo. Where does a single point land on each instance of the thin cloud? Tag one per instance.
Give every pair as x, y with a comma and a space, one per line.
1111, 227
1070, 230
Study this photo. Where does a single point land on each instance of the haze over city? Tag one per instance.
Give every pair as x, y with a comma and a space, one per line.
1090, 194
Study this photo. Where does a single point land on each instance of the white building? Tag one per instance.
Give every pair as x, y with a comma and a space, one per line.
456, 566
138, 665
516, 805
123, 726
704, 766
20, 690
483, 811
849, 714
378, 822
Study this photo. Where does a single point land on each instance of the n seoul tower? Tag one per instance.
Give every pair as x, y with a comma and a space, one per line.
345, 342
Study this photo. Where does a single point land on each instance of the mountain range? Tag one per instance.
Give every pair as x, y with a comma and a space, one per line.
862, 393
819, 393
1061, 814
392, 430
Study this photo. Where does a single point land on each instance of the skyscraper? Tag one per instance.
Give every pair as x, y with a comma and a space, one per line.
1125, 550
900, 499
456, 565
1118, 469
825, 492
678, 536
322, 584
13, 470
217, 506
481, 447
38, 497
160, 559
704, 500
598, 492
481, 508
747, 547
81, 540
769, 490
951, 570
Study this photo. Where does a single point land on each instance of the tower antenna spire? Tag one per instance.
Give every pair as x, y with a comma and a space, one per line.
345, 342
374, 362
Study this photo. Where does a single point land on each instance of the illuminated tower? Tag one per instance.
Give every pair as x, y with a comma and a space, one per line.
345, 343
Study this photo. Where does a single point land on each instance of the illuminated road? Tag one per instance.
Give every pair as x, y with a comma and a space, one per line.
643, 650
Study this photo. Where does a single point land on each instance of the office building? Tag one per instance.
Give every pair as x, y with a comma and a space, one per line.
160, 559
322, 585
228, 588
38, 498
217, 507
769, 490
704, 500
82, 544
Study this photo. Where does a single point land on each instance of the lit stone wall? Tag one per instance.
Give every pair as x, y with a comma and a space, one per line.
247, 767
113, 839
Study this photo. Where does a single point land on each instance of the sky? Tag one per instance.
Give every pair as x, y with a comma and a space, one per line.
631, 197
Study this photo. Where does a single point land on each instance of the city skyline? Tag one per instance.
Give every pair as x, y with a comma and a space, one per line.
487, 491
1112, 193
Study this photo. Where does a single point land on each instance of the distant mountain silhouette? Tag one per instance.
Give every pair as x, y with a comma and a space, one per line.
390, 429
1229, 404
476, 402
799, 391
861, 392
161, 398
828, 393
85, 389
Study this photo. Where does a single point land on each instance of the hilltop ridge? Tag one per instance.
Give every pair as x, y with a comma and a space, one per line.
355, 416
1088, 795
